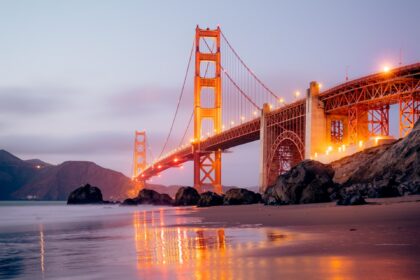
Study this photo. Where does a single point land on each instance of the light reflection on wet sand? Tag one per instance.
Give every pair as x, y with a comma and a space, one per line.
157, 244
176, 252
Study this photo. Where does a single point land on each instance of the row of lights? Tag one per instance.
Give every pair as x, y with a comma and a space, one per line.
232, 123
342, 148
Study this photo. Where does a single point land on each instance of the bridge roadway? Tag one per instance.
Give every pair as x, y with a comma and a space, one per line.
376, 89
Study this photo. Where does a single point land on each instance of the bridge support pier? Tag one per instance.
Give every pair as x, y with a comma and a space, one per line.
409, 112
264, 149
316, 122
207, 165
139, 161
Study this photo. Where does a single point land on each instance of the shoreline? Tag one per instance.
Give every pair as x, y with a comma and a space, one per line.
378, 211
366, 238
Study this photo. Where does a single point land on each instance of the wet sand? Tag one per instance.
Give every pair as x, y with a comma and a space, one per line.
380, 240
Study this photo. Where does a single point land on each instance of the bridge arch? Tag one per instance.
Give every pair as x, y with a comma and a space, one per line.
286, 151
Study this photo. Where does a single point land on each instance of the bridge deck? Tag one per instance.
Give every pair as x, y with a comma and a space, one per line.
377, 88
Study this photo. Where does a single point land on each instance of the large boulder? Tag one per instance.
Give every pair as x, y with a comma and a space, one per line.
129, 202
210, 199
239, 196
382, 171
308, 182
186, 196
147, 196
355, 199
86, 194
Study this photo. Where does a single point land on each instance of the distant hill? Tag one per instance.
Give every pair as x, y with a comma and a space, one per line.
36, 179
55, 182
14, 173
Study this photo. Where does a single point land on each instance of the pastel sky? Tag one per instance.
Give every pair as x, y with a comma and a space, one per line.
78, 77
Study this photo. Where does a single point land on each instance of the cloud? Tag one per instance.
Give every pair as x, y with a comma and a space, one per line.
147, 100
25, 101
92, 143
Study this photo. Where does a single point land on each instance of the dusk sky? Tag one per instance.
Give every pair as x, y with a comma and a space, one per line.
78, 77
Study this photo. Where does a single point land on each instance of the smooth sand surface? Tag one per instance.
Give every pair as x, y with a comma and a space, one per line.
380, 240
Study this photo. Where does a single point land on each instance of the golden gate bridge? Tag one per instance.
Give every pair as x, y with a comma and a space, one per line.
232, 106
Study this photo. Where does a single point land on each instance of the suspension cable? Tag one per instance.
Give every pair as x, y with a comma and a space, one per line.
186, 130
249, 70
179, 100
235, 84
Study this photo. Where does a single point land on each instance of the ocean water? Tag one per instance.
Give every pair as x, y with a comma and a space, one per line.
50, 240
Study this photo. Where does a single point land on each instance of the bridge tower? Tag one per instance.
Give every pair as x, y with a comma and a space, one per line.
139, 160
207, 165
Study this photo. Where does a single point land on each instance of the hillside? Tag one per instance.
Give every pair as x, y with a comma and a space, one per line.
35, 179
14, 173
57, 181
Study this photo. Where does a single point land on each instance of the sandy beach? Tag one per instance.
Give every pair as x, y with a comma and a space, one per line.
364, 241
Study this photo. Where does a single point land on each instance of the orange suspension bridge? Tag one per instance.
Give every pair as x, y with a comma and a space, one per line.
232, 106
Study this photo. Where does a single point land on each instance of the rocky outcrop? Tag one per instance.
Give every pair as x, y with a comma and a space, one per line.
239, 196
147, 196
209, 199
355, 199
383, 171
308, 182
129, 202
186, 196
85, 195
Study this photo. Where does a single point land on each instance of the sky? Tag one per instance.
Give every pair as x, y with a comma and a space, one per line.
77, 78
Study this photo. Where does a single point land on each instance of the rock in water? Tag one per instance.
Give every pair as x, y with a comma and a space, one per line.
239, 196
356, 199
186, 196
147, 196
210, 199
129, 202
85, 195
308, 182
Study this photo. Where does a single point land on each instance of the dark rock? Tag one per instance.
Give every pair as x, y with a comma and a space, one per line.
85, 195
241, 196
147, 196
308, 182
356, 199
165, 199
382, 171
129, 202
186, 196
210, 199
111, 202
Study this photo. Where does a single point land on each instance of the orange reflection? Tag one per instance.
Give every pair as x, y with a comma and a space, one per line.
158, 246
42, 249
176, 252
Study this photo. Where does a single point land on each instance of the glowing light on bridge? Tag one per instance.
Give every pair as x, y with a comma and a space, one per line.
386, 69
297, 94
